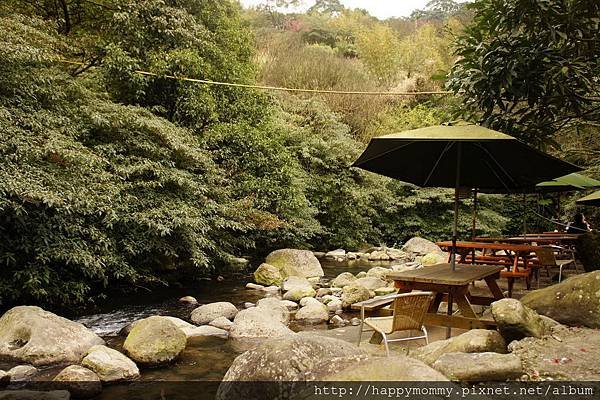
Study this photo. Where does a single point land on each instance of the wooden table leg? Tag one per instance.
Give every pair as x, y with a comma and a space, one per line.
435, 304
449, 313
494, 288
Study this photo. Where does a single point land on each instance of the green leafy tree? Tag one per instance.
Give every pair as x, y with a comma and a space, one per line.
530, 68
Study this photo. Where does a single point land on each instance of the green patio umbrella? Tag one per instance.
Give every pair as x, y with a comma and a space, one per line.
590, 200
461, 156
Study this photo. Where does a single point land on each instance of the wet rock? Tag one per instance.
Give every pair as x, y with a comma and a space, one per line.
22, 373
271, 289
575, 301
312, 312
516, 321
34, 395
258, 322
110, 365
354, 294
323, 292
379, 272
307, 300
390, 369
79, 381
334, 304
421, 247
352, 256
295, 263
298, 293
398, 255
221, 323
343, 279
473, 341
32, 335
290, 305
284, 360
249, 305
254, 286
188, 300
379, 255
337, 321
154, 341
267, 274
209, 312
479, 367
370, 283
355, 321
433, 258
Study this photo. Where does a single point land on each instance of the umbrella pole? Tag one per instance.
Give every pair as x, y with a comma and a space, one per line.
474, 221
456, 200
524, 215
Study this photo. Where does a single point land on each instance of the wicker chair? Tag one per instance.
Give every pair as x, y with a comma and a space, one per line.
545, 258
408, 312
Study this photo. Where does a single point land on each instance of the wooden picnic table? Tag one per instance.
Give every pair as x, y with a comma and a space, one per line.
548, 239
454, 286
516, 258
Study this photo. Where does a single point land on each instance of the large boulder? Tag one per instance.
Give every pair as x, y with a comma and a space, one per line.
267, 274
110, 365
283, 360
79, 381
390, 369
433, 258
379, 272
32, 335
354, 294
209, 312
298, 293
473, 341
258, 322
295, 263
479, 367
154, 341
575, 301
516, 321
295, 282
343, 279
421, 247
278, 309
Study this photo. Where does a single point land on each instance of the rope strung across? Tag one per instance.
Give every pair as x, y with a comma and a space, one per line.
277, 88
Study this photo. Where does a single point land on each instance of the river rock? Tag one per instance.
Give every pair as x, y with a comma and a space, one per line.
399, 255
271, 289
31, 335
275, 308
284, 360
188, 300
343, 279
258, 322
313, 313
110, 365
221, 323
473, 341
370, 283
21, 373
409, 266
295, 282
379, 272
575, 301
479, 367
323, 292
384, 291
290, 305
307, 300
433, 258
379, 255
354, 294
209, 312
390, 369
336, 253
420, 246
267, 274
34, 395
295, 263
154, 341
516, 321
4, 378
334, 305
79, 381
296, 294
337, 321
254, 286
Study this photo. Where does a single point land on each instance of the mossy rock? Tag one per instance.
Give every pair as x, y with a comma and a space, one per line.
154, 341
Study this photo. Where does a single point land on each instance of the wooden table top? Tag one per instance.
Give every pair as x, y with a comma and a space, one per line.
443, 274
488, 245
528, 239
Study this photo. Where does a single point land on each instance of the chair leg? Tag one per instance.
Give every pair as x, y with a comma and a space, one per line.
362, 323
385, 343
560, 267
425, 333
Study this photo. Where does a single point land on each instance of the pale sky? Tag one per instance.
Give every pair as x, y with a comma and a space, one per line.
382, 9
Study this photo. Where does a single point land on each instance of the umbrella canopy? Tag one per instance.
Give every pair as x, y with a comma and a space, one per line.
590, 200
568, 183
487, 160
461, 156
